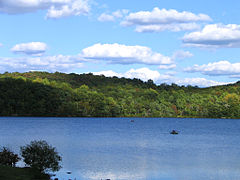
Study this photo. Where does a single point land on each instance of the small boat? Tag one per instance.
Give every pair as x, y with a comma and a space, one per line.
173, 132
132, 120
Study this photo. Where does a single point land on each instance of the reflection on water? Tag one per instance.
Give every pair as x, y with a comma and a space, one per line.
117, 149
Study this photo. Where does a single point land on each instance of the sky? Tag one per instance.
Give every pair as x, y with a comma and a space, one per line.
169, 41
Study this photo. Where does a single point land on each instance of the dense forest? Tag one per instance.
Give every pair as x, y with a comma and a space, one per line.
88, 95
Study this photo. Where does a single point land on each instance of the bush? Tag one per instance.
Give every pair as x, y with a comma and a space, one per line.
17, 173
41, 156
8, 158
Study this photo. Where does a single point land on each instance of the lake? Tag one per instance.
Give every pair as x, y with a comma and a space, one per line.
118, 149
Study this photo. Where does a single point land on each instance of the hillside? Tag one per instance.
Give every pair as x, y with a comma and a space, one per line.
11, 173
87, 95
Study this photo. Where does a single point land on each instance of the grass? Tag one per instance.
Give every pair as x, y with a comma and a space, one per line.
10, 173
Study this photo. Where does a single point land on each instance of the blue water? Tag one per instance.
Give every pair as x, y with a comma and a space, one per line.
115, 148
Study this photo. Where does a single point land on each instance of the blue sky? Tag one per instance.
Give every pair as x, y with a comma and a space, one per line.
172, 41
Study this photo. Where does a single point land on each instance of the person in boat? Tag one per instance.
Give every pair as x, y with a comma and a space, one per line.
174, 132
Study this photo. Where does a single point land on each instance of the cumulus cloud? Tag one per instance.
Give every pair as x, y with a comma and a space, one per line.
123, 54
104, 17
141, 73
201, 82
73, 8
32, 48
214, 36
161, 19
146, 74
48, 63
178, 55
55, 8
216, 68
108, 73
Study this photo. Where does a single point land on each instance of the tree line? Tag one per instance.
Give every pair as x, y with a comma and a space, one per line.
88, 95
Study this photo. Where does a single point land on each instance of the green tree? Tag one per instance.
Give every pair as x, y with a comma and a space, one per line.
41, 156
8, 158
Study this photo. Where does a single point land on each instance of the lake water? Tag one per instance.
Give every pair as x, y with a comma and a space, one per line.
118, 149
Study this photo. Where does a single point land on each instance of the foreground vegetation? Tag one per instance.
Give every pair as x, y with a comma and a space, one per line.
86, 95
15, 173
39, 158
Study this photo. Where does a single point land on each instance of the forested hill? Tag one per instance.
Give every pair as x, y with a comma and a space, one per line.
87, 95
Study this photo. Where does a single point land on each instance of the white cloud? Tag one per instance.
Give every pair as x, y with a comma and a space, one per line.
1, 44
214, 36
49, 63
180, 54
114, 175
171, 66
141, 73
74, 8
123, 54
161, 19
163, 16
167, 27
55, 8
146, 74
171, 73
120, 13
104, 17
216, 68
108, 73
201, 82
32, 48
